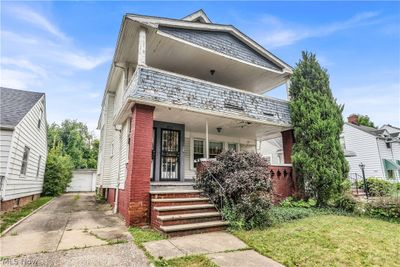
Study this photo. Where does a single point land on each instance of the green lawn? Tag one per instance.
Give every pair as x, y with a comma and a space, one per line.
329, 240
11, 217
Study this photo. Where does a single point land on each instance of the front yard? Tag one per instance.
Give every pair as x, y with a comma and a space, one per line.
328, 240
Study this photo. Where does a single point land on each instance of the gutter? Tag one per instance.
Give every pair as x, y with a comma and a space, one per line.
115, 209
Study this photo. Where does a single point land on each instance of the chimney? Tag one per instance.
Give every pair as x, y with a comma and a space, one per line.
353, 118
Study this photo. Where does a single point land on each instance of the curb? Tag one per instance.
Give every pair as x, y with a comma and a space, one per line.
26, 217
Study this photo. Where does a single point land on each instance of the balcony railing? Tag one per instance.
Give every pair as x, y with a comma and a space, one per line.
152, 85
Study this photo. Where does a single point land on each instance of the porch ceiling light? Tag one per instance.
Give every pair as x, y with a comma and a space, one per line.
219, 129
212, 72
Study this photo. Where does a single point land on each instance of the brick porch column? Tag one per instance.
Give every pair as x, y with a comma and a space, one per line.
138, 176
287, 141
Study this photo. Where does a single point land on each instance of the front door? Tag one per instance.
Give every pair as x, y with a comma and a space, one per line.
170, 153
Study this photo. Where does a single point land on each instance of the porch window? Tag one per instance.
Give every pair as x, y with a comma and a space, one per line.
198, 151
25, 160
215, 148
233, 147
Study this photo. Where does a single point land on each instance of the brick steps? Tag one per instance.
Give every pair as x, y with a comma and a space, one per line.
184, 212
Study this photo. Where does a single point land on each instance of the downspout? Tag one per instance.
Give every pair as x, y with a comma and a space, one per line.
380, 158
115, 209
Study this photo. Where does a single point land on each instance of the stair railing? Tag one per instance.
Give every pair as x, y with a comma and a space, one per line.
354, 179
219, 206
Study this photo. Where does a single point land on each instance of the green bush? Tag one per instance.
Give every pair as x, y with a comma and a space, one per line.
247, 190
378, 187
58, 173
386, 208
346, 202
290, 203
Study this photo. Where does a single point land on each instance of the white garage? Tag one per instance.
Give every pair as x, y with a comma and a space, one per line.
83, 180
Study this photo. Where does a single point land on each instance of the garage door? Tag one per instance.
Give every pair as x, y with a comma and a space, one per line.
82, 181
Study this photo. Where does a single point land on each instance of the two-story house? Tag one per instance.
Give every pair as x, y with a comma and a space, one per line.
178, 91
23, 146
377, 149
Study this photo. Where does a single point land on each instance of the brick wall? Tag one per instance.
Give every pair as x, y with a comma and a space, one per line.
283, 182
111, 196
18, 202
134, 200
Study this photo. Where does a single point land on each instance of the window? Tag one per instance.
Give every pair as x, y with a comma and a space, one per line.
40, 118
112, 150
25, 160
390, 174
215, 148
232, 146
198, 151
38, 166
342, 143
388, 145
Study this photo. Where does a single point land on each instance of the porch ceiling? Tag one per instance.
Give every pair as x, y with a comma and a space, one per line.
177, 56
196, 122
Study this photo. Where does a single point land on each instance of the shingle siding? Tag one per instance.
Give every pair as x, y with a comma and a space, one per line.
221, 42
156, 86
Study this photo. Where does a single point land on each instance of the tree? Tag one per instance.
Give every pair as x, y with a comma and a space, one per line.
76, 142
58, 173
318, 158
365, 120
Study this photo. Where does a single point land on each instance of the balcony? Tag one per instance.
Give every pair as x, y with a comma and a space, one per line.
157, 87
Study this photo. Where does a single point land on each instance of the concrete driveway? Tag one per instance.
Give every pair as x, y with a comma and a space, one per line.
73, 221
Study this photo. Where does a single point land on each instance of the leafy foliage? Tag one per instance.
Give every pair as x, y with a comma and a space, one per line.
346, 202
318, 158
58, 173
365, 121
291, 203
246, 184
386, 208
378, 187
74, 139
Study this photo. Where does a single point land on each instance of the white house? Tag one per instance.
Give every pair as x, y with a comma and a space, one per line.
23, 146
377, 149
180, 91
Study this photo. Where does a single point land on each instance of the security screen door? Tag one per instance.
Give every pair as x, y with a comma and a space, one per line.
170, 152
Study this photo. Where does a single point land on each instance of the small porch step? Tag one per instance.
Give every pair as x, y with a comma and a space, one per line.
184, 212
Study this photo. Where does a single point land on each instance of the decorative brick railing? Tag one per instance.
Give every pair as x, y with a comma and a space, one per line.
151, 85
283, 181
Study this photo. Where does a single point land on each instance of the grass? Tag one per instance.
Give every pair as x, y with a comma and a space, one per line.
332, 240
188, 261
142, 235
11, 217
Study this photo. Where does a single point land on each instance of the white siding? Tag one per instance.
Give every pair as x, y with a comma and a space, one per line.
5, 144
27, 133
124, 153
107, 142
366, 149
274, 149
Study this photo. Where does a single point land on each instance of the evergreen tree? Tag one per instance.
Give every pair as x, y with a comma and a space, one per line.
318, 158
365, 120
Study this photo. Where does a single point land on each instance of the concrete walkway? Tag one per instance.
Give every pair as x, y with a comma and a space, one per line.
72, 221
222, 248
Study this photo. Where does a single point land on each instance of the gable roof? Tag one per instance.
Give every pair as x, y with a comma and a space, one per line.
198, 16
370, 130
15, 104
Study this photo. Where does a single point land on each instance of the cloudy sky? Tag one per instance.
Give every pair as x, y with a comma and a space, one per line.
65, 48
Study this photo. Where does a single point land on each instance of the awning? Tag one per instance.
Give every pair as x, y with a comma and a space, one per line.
391, 165
348, 153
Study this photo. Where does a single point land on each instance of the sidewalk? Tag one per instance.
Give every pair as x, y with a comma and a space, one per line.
222, 248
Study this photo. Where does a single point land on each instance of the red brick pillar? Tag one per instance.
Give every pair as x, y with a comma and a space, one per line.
138, 176
288, 141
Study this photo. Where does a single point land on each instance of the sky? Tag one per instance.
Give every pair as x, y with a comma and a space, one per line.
65, 48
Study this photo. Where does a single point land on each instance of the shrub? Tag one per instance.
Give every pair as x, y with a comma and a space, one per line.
378, 187
58, 173
346, 202
277, 215
247, 190
290, 202
386, 208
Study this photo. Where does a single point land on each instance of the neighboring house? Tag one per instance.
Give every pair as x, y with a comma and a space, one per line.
181, 91
377, 149
23, 146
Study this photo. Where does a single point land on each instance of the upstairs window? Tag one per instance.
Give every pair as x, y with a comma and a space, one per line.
388, 145
40, 118
25, 160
